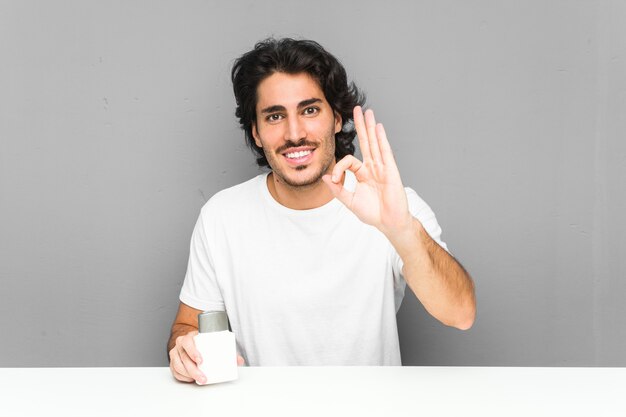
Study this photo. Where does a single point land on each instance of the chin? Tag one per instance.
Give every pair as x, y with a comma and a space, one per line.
301, 179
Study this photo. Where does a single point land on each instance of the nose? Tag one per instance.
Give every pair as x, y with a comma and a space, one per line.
295, 129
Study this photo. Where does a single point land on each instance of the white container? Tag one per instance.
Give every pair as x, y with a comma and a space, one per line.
217, 347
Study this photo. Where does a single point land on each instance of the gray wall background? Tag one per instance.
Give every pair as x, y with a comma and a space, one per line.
117, 123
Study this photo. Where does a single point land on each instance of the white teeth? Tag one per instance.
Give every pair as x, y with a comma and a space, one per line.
300, 154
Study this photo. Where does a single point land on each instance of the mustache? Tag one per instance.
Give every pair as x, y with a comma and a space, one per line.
291, 144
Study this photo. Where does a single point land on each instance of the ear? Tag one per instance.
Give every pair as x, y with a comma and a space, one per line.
338, 122
255, 135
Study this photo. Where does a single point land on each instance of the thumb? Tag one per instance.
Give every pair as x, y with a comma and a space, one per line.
338, 190
240, 361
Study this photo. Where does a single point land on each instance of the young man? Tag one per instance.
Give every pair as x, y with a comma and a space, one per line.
310, 261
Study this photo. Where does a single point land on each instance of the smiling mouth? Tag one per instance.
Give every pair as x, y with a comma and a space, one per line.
296, 155
299, 157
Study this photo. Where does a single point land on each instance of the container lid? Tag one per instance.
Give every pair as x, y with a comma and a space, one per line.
212, 321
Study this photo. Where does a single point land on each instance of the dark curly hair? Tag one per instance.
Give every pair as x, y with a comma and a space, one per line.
292, 56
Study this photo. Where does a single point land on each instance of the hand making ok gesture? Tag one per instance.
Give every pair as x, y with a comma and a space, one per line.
379, 198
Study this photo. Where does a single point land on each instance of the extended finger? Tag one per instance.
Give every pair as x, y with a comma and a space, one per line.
370, 124
385, 149
361, 131
240, 360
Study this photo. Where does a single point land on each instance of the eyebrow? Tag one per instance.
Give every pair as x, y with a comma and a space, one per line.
303, 103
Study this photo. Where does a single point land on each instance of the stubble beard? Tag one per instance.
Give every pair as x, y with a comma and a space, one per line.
327, 160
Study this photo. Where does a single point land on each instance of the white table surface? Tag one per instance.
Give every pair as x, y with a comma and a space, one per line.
317, 391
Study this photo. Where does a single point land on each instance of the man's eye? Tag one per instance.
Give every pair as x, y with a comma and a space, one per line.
274, 117
311, 110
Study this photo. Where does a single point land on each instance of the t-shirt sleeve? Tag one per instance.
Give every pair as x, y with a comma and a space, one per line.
200, 288
422, 212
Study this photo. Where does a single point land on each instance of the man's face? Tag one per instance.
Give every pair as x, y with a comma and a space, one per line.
296, 128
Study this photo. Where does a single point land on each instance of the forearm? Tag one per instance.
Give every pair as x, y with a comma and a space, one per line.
178, 329
440, 283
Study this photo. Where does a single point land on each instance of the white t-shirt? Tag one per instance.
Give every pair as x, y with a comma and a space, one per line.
300, 287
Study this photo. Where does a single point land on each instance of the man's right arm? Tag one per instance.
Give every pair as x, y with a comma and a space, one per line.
183, 355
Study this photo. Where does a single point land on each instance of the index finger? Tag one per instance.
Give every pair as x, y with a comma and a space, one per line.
192, 368
361, 131
189, 347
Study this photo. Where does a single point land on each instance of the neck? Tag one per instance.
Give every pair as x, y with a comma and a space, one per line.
299, 198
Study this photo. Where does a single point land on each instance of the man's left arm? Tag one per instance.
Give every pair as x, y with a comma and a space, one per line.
438, 280
379, 199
